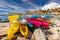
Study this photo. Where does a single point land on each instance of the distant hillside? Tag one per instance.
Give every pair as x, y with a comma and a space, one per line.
49, 11
51, 8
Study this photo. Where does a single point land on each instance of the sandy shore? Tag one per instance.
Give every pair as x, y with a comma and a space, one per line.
4, 28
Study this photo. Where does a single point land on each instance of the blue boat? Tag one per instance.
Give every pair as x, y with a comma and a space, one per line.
30, 25
34, 16
47, 16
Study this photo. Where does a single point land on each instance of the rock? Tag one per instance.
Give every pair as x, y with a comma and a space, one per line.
57, 22
21, 38
4, 28
6, 38
3, 38
56, 33
38, 35
29, 35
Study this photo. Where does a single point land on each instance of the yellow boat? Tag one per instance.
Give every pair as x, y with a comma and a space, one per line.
24, 30
15, 26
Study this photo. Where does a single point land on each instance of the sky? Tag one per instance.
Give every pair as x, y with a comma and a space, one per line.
23, 6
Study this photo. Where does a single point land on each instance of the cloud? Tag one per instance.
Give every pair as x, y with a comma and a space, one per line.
50, 6
21, 7
16, 9
56, 1
25, 0
30, 3
12, 8
9, 7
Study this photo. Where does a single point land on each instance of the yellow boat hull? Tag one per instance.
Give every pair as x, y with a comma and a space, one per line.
15, 26
24, 30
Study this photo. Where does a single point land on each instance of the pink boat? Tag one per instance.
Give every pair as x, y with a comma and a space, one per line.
38, 23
